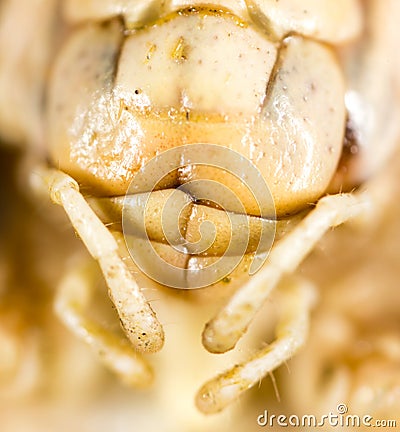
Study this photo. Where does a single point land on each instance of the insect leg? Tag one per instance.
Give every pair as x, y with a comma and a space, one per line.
224, 330
297, 299
137, 317
73, 297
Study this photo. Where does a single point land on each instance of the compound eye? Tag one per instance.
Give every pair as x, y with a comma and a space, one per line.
82, 77
302, 124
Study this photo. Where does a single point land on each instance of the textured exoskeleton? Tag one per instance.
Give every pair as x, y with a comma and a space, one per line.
305, 91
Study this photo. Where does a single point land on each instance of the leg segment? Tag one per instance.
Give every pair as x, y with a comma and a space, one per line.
297, 300
137, 318
222, 332
73, 296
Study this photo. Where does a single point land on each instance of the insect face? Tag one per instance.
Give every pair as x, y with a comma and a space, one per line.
201, 130
197, 76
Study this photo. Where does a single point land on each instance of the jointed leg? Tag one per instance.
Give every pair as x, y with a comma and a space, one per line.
222, 332
73, 297
296, 302
137, 318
